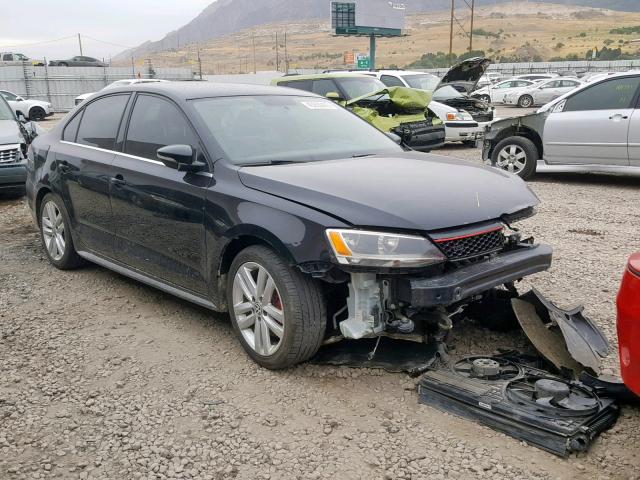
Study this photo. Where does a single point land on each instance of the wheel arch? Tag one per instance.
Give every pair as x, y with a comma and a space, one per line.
38, 201
241, 237
520, 131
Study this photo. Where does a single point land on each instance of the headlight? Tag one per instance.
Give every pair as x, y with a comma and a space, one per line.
460, 116
377, 249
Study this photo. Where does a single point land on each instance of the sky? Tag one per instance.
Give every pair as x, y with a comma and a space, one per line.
125, 23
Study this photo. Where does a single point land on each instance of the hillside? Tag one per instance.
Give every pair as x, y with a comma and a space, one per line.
224, 17
534, 28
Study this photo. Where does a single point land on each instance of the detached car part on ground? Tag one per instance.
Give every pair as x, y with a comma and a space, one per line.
403, 112
305, 222
15, 137
594, 128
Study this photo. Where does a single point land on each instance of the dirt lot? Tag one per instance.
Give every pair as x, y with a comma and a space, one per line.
103, 378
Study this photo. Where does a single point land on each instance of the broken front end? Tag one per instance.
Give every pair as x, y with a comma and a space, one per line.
411, 286
403, 111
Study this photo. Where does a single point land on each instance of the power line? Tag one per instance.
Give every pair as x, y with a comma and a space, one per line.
38, 43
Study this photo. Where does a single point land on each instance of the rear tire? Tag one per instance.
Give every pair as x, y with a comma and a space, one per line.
37, 114
63, 64
278, 324
517, 155
55, 233
525, 101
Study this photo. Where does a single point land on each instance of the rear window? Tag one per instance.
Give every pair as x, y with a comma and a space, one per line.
101, 120
71, 130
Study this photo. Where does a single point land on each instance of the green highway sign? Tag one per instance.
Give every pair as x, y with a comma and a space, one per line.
363, 62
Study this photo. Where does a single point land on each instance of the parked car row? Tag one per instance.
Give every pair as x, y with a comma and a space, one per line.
12, 59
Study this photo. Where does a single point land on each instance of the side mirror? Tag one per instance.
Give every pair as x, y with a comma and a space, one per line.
335, 96
19, 99
180, 157
21, 118
396, 138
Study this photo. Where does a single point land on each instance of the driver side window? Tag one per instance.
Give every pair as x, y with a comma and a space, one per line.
156, 123
609, 95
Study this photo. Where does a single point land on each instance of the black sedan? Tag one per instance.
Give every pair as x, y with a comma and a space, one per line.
78, 61
279, 206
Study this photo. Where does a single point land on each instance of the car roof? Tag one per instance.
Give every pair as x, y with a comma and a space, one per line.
186, 90
318, 76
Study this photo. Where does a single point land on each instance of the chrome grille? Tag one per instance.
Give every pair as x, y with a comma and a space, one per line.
9, 153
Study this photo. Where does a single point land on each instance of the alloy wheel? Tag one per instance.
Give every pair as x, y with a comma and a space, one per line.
258, 308
526, 101
53, 230
512, 158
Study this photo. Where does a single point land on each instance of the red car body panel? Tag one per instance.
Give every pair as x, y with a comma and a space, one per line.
629, 324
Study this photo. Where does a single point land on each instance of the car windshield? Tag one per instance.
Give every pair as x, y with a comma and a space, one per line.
423, 82
5, 111
274, 128
356, 87
446, 92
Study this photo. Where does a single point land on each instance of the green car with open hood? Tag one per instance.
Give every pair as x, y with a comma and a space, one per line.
399, 110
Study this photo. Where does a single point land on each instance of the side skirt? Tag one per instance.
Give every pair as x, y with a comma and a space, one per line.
152, 282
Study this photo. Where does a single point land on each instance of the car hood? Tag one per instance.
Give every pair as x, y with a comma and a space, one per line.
403, 97
409, 191
466, 73
9, 132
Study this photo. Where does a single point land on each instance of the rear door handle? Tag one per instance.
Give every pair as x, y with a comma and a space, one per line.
618, 116
118, 181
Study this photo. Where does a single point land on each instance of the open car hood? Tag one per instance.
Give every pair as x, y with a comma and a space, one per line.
403, 97
409, 191
466, 74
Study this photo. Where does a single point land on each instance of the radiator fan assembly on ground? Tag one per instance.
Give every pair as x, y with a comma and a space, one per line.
558, 415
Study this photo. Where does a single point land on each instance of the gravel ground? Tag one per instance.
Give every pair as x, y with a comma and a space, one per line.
104, 378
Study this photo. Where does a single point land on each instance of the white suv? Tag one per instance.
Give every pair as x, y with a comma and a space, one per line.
31, 109
464, 118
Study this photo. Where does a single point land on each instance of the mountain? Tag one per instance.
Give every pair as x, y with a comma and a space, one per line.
223, 17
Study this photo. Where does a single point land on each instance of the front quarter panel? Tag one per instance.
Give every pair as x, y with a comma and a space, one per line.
235, 213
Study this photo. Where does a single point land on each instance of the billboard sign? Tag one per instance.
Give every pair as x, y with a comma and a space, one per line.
366, 17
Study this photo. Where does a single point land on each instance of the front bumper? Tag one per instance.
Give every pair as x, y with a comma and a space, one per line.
13, 176
465, 131
476, 278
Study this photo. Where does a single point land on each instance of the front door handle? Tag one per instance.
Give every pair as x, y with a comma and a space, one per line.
118, 181
618, 117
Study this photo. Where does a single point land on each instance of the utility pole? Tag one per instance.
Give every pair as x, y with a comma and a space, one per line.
451, 30
80, 43
253, 45
199, 64
277, 54
286, 55
473, 4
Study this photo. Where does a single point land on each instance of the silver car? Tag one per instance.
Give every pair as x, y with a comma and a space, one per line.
593, 128
541, 92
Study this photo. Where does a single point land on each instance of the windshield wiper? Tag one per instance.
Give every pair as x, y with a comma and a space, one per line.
363, 155
269, 162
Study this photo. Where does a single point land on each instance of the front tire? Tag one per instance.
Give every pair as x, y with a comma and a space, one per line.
485, 98
55, 233
517, 155
37, 114
525, 101
277, 312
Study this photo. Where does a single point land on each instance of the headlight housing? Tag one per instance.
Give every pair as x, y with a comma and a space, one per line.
379, 249
461, 116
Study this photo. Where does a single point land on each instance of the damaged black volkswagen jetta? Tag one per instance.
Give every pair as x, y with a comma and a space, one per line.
290, 212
